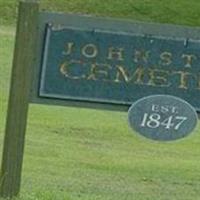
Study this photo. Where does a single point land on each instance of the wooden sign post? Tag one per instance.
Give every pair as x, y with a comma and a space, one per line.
19, 98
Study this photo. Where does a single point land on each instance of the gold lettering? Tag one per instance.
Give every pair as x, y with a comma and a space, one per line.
188, 58
183, 79
68, 48
141, 56
99, 71
89, 51
158, 78
64, 69
123, 75
115, 53
166, 58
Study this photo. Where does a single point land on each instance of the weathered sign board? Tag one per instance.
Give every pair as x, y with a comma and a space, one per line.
106, 63
117, 67
92, 62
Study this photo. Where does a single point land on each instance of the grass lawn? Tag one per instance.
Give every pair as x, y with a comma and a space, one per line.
165, 11
83, 154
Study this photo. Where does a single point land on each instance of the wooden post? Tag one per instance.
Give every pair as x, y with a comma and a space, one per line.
24, 55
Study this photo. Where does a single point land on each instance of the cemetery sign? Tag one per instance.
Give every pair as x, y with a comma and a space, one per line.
117, 67
93, 62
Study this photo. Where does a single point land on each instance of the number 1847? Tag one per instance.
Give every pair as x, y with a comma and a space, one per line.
154, 121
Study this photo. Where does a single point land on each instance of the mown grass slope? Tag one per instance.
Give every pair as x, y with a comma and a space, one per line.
171, 11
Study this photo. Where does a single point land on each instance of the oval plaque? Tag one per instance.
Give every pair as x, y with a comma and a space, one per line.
162, 117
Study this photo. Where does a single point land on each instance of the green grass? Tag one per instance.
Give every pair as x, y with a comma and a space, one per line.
82, 154
165, 11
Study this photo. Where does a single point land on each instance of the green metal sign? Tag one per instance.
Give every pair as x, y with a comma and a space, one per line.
91, 64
